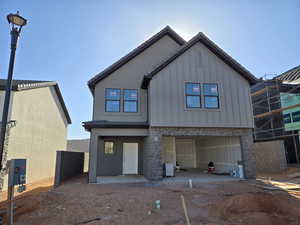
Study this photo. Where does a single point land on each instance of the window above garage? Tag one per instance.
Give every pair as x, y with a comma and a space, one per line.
196, 93
211, 96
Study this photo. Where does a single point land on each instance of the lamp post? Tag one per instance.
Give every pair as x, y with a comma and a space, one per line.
16, 23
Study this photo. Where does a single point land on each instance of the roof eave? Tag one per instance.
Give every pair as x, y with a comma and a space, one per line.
166, 31
212, 47
116, 125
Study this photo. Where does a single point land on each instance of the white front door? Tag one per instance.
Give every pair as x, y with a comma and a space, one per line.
130, 158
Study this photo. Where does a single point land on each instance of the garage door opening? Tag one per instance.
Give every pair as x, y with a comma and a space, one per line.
194, 153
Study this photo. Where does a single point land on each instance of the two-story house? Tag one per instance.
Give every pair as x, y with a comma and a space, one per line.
171, 101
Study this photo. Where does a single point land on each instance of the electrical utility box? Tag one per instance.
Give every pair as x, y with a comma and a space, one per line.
17, 172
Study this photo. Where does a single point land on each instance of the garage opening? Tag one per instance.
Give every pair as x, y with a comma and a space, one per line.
193, 154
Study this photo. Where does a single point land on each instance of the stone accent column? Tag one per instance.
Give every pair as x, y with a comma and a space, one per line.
248, 154
93, 157
153, 168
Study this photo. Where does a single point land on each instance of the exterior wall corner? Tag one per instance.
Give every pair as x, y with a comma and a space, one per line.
153, 168
248, 154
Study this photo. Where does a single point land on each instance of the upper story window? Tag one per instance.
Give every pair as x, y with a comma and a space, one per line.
112, 99
211, 96
130, 100
193, 95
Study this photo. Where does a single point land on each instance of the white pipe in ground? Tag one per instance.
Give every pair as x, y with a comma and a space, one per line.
190, 183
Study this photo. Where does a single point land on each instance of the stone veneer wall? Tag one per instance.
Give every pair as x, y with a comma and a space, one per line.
153, 169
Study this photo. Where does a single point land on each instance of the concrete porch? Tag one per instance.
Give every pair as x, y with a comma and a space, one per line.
196, 176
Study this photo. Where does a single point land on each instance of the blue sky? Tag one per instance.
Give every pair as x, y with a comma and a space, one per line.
69, 41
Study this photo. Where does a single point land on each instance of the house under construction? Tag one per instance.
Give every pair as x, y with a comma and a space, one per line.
276, 108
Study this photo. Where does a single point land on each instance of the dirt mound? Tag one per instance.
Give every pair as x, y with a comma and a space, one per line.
259, 208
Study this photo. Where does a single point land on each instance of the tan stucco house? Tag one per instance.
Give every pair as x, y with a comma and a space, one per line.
171, 101
41, 121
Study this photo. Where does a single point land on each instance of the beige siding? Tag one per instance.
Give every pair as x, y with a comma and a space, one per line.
225, 152
40, 131
2, 96
120, 132
169, 150
198, 64
130, 76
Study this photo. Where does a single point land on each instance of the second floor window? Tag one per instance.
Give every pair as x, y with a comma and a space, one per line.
130, 100
193, 95
211, 96
112, 99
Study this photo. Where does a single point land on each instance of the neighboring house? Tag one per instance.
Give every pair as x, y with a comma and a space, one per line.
41, 126
275, 116
291, 76
80, 145
171, 101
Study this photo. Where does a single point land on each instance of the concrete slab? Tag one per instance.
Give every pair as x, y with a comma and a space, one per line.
121, 179
198, 178
181, 177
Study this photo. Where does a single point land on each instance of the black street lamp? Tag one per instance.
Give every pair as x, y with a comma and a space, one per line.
16, 23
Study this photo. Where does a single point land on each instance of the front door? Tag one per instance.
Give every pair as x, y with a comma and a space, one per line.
130, 158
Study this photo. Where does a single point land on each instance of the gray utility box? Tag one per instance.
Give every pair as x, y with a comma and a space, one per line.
169, 170
17, 172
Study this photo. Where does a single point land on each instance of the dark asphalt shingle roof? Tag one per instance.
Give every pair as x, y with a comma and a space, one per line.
20, 85
166, 31
290, 75
200, 37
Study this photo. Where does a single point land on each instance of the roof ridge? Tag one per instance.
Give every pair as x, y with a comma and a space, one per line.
136, 51
212, 47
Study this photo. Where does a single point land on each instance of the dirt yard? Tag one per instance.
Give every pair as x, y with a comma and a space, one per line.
226, 203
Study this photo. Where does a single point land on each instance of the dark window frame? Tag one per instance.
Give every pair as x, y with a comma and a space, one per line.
113, 100
215, 96
137, 100
187, 95
113, 147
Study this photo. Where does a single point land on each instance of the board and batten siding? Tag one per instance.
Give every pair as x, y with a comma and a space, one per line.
199, 65
130, 76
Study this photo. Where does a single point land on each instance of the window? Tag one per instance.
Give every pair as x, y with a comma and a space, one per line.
296, 116
193, 95
108, 147
130, 100
112, 100
287, 118
211, 96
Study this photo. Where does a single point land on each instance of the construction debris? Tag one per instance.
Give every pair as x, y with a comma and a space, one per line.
294, 175
89, 221
185, 210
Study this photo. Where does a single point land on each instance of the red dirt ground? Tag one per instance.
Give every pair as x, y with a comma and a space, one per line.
227, 203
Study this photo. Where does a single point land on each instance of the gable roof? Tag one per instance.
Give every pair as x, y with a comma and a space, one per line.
200, 37
290, 75
166, 31
20, 85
